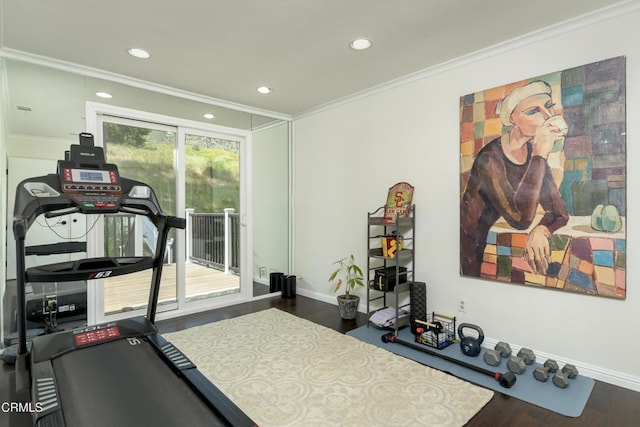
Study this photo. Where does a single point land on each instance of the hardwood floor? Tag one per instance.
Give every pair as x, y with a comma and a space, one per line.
608, 405
307, 308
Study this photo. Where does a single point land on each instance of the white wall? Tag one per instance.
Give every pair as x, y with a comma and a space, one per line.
348, 155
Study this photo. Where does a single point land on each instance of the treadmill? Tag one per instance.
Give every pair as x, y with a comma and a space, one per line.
120, 373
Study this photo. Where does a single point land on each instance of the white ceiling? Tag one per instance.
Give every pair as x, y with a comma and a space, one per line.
225, 49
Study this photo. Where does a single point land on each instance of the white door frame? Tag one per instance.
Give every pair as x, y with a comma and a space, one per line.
94, 298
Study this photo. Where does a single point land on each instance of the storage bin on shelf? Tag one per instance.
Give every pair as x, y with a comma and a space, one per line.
391, 244
384, 278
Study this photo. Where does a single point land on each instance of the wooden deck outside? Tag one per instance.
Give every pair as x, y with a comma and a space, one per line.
131, 291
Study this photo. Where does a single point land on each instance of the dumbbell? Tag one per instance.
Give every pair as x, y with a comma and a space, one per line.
561, 379
503, 348
516, 364
492, 357
527, 355
542, 373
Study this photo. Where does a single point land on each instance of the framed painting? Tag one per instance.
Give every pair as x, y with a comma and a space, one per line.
543, 181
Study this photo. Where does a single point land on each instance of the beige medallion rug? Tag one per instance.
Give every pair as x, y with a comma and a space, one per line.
282, 370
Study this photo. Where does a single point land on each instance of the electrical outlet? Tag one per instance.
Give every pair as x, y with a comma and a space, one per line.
263, 271
462, 305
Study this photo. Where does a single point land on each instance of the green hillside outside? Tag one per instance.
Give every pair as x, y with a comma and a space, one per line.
212, 167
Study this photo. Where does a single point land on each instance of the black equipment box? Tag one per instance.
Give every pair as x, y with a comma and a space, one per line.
385, 278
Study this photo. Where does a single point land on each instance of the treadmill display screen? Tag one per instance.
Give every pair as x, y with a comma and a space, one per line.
84, 175
96, 335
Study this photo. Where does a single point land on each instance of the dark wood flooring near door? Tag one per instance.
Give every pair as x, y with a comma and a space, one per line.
608, 405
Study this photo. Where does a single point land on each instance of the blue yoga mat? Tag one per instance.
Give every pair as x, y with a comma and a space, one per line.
568, 401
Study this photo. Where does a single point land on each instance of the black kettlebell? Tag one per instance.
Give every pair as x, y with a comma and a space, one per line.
470, 346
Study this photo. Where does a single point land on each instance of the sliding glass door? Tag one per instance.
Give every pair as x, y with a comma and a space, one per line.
196, 174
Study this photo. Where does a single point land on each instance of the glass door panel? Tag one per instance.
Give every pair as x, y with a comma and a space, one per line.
212, 201
144, 154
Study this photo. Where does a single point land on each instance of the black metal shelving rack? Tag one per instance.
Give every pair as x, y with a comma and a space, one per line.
405, 257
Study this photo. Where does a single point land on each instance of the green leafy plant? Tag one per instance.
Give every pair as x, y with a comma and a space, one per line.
348, 273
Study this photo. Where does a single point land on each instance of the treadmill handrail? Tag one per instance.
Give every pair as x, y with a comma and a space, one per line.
56, 248
88, 269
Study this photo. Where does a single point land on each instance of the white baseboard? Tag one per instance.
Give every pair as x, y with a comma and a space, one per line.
606, 375
331, 299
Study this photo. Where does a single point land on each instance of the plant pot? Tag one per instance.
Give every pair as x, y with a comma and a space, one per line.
348, 306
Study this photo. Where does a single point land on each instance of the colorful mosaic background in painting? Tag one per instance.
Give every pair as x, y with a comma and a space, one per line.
592, 265
589, 167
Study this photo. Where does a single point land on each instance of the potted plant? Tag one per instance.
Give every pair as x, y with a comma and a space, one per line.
348, 273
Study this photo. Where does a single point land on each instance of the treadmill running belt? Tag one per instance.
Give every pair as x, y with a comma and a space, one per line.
126, 383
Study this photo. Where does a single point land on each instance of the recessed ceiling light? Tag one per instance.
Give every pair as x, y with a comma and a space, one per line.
104, 95
208, 116
264, 89
139, 53
360, 44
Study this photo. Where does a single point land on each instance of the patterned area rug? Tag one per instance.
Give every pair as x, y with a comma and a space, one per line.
282, 370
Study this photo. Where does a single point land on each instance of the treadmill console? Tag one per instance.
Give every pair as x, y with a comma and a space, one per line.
92, 189
88, 180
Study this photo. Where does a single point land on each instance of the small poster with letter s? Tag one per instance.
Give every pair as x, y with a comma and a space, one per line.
398, 204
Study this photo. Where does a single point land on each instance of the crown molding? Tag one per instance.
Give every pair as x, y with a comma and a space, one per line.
70, 67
